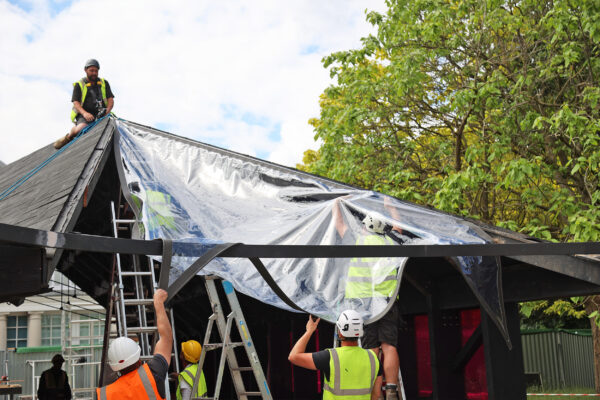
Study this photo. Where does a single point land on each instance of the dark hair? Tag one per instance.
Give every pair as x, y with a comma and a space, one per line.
132, 367
58, 358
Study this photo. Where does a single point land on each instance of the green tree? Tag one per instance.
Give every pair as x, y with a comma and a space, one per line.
487, 109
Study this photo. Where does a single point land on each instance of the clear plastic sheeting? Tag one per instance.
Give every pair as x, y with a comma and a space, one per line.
191, 192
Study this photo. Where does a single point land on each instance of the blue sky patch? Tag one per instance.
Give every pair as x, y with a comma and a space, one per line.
26, 6
275, 133
55, 7
310, 49
164, 126
234, 113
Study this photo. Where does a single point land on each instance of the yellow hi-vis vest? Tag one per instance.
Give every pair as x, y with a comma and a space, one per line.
371, 277
158, 205
352, 374
83, 85
188, 375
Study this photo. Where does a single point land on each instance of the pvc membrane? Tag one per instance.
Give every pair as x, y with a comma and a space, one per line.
191, 192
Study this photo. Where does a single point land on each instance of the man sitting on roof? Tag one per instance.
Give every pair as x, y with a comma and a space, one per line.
92, 99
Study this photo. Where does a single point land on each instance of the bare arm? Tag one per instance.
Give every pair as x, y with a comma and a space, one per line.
387, 204
297, 355
110, 103
77, 105
340, 225
376, 392
165, 343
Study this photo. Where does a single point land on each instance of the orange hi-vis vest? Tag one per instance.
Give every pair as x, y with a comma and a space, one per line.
138, 384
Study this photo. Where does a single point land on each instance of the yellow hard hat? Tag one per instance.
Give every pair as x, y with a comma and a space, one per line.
191, 350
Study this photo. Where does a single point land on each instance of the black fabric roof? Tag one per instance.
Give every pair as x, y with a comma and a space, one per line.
48, 200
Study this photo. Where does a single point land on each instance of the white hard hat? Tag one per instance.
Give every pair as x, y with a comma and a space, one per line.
350, 324
122, 353
374, 223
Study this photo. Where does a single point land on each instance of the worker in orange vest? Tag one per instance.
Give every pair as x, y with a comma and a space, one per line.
137, 380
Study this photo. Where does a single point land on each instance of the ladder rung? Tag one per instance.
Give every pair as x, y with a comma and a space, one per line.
136, 273
212, 346
146, 358
251, 393
125, 221
142, 329
138, 302
242, 369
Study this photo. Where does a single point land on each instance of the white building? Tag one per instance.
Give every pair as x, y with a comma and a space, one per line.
64, 317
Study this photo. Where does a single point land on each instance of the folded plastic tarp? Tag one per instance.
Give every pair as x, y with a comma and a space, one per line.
195, 193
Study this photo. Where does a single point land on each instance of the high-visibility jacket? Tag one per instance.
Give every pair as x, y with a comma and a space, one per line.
84, 85
188, 375
352, 374
158, 206
138, 384
371, 277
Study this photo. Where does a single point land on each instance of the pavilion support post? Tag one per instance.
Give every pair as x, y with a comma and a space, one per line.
504, 368
445, 343
408, 356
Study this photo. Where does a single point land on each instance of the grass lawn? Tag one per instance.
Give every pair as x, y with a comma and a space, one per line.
579, 390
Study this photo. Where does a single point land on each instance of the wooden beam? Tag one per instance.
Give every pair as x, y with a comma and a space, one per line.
445, 343
504, 367
466, 353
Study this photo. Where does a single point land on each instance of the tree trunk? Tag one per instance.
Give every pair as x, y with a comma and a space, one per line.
593, 304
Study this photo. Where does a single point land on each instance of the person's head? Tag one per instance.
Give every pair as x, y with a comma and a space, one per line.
57, 361
374, 223
190, 351
350, 325
91, 69
123, 355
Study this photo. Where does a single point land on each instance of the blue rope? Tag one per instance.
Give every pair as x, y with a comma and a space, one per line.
34, 171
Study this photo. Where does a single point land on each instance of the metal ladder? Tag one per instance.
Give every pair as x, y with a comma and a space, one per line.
227, 346
140, 301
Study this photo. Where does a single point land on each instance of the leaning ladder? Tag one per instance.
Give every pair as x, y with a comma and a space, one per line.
140, 301
227, 346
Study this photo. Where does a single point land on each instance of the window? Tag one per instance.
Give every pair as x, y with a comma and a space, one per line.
51, 329
16, 331
88, 329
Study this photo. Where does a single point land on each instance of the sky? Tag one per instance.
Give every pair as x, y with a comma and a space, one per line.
243, 75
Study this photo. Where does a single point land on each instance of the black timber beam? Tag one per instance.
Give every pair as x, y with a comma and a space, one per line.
23, 272
445, 343
520, 283
504, 367
468, 350
408, 357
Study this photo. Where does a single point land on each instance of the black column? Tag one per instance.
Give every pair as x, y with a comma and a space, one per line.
407, 351
504, 368
445, 344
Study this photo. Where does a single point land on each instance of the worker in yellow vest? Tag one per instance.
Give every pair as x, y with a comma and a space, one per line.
92, 98
137, 380
350, 371
375, 279
190, 354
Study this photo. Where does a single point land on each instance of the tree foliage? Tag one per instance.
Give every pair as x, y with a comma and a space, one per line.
488, 109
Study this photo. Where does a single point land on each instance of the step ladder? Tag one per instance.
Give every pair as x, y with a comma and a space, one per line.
134, 292
224, 325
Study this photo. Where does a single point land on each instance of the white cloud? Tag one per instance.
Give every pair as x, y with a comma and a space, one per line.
177, 64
